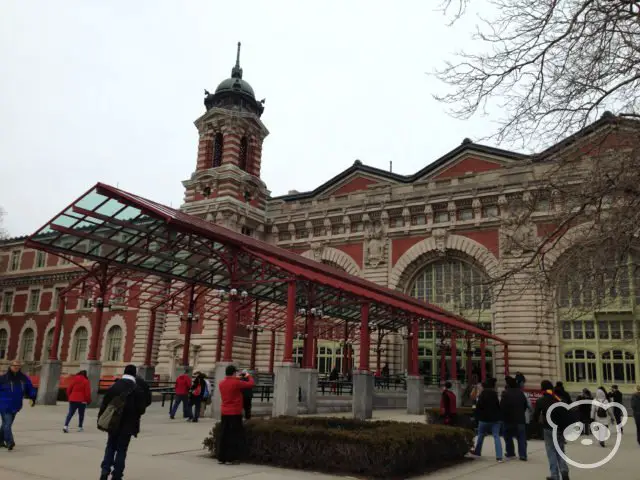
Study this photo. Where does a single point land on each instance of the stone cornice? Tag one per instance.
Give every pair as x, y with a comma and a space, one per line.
31, 278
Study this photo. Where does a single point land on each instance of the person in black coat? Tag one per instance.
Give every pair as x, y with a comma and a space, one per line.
247, 396
138, 398
584, 411
489, 417
616, 396
514, 406
562, 393
561, 418
196, 395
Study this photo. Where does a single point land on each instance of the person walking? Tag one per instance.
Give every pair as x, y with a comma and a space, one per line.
14, 386
562, 393
584, 411
183, 385
616, 396
196, 395
230, 445
448, 406
557, 465
514, 406
489, 416
137, 397
602, 415
635, 410
207, 395
78, 396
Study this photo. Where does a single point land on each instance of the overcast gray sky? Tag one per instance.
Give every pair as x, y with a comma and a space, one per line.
108, 91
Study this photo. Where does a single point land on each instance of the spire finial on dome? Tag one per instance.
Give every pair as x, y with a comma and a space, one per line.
236, 72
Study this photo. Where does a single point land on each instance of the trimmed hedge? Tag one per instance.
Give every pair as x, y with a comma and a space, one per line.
348, 446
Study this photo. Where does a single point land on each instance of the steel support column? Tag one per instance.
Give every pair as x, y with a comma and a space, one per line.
469, 362
57, 330
365, 340
506, 359
454, 357
188, 326
345, 352
308, 351
314, 356
254, 347
95, 331
290, 324
272, 351
150, 338
232, 319
443, 364
415, 329
483, 360
219, 340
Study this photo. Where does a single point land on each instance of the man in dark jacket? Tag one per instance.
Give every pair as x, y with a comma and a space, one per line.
488, 415
616, 396
560, 416
247, 395
14, 386
138, 398
514, 406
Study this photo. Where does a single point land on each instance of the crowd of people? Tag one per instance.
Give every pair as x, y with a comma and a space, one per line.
194, 393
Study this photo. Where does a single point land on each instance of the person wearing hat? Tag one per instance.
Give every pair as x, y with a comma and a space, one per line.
231, 439
137, 398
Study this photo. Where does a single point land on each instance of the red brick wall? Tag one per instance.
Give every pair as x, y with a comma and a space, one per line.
468, 165
488, 238
354, 185
354, 250
28, 257
399, 246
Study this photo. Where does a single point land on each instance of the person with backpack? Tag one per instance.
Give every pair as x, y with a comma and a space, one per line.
489, 418
122, 406
196, 395
14, 386
78, 396
602, 415
514, 406
560, 416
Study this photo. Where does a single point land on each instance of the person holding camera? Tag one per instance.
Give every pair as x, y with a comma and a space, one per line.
230, 444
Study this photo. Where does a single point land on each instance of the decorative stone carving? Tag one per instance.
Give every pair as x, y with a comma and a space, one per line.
477, 207
440, 236
384, 218
375, 244
451, 207
406, 215
518, 233
317, 249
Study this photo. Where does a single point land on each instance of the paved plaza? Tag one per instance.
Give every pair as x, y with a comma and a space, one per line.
172, 450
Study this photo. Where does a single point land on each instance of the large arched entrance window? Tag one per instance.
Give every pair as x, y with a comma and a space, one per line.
458, 285
598, 311
114, 344
28, 343
79, 348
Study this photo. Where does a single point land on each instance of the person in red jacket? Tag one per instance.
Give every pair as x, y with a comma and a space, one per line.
448, 408
79, 396
183, 384
231, 438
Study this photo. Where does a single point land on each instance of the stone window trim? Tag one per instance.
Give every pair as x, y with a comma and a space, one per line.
33, 300
82, 322
15, 260
114, 321
44, 356
40, 259
4, 349
29, 325
8, 298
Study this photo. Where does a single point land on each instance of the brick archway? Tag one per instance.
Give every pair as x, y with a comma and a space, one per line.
336, 257
409, 263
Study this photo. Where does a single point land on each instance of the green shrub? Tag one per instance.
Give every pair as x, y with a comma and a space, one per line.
348, 446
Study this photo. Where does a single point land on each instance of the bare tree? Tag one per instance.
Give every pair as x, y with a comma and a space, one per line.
553, 66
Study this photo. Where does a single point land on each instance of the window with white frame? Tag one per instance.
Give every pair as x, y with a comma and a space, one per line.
15, 261
27, 344
56, 298
4, 343
7, 302
441, 217
34, 300
48, 342
79, 348
40, 259
114, 344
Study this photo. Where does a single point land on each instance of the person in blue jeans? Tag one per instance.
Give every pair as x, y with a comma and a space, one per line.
14, 386
489, 419
514, 406
558, 468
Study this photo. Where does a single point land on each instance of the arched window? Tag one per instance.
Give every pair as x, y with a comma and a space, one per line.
114, 344
218, 143
48, 341
79, 348
580, 366
26, 348
452, 283
244, 153
4, 343
618, 366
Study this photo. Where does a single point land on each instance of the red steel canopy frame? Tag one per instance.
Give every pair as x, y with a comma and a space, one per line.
169, 261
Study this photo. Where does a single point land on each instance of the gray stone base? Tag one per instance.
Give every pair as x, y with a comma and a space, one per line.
216, 401
362, 395
49, 382
147, 372
456, 387
94, 369
285, 393
309, 388
415, 395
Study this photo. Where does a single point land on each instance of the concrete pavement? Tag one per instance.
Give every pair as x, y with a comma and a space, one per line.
172, 449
